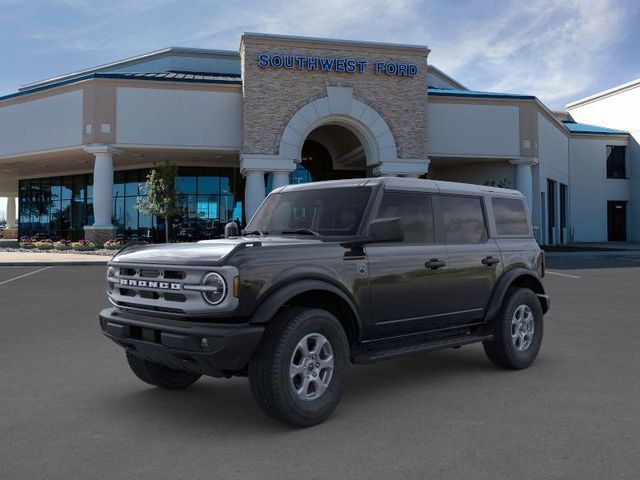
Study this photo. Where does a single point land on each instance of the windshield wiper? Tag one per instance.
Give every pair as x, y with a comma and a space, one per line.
255, 232
301, 231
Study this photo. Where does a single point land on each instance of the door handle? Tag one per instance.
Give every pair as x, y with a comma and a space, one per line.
434, 264
489, 261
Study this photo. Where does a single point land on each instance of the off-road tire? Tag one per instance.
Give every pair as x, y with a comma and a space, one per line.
501, 349
159, 375
269, 374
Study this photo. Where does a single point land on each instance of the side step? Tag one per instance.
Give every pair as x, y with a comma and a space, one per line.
373, 355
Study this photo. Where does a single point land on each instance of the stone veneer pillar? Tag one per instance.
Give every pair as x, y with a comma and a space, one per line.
102, 228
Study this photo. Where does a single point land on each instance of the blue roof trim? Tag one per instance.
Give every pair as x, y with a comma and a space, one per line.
593, 129
449, 92
159, 77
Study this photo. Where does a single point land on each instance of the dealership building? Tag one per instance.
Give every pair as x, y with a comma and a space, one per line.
74, 149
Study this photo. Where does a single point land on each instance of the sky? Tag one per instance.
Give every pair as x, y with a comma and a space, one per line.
557, 50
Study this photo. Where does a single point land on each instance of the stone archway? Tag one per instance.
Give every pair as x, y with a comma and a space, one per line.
340, 108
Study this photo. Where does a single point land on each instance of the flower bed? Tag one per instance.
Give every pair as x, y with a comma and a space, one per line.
83, 245
62, 245
113, 244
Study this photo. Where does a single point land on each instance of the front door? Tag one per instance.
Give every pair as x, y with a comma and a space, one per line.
617, 221
405, 278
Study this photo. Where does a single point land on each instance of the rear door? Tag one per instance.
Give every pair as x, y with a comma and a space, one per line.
474, 261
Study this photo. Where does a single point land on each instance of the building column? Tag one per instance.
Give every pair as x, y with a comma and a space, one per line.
11, 211
524, 178
253, 167
10, 232
254, 192
102, 228
280, 178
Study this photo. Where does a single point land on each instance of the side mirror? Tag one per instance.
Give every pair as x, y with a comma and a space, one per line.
385, 230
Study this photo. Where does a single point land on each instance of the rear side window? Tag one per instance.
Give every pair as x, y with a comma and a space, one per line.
415, 211
510, 215
463, 219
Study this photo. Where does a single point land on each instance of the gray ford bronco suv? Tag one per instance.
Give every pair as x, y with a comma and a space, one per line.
330, 273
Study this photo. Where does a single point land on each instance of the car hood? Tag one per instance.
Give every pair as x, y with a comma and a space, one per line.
206, 252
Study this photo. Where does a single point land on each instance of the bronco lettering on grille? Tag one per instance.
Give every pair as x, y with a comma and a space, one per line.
148, 284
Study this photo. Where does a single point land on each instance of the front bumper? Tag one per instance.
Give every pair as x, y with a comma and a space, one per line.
213, 349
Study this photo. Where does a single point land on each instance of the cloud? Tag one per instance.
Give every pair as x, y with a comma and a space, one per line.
548, 48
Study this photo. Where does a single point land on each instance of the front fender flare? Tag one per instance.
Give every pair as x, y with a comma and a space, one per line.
280, 295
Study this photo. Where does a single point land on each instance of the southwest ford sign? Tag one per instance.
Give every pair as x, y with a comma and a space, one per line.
341, 65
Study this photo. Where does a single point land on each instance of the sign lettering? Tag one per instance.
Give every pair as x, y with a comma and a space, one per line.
330, 64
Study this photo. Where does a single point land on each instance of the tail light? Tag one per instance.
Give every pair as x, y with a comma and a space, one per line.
541, 264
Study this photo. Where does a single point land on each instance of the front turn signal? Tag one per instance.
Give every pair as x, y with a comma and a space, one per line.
236, 286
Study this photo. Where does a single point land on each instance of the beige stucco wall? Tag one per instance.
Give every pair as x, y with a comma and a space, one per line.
272, 96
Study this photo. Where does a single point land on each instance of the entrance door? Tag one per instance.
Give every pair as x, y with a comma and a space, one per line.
551, 212
617, 221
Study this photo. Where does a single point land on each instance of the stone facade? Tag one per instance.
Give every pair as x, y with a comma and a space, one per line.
272, 96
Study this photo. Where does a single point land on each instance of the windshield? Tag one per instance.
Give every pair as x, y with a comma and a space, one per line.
334, 212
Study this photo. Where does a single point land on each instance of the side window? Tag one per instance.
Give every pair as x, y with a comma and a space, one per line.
463, 219
510, 215
415, 211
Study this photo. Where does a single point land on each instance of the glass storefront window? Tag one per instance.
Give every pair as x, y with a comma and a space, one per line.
59, 207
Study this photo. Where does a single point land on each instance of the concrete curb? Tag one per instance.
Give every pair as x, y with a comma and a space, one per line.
70, 263
595, 253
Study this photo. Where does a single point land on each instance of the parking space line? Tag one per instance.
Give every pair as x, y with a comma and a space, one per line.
562, 274
25, 275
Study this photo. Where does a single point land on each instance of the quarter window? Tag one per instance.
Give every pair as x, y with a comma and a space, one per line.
463, 219
510, 215
415, 211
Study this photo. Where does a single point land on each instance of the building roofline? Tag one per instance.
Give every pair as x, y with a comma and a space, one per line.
448, 78
603, 94
450, 92
225, 80
419, 49
129, 61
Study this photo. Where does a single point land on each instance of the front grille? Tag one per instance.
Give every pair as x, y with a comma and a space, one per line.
161, 289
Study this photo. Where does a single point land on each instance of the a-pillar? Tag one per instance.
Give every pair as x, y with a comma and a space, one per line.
524, 178
254, 167
102, 228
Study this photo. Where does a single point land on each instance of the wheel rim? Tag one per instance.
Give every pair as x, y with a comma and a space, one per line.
311, 366
522, 327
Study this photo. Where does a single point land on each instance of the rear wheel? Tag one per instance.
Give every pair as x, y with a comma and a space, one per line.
159, 375
298, 371
517, 330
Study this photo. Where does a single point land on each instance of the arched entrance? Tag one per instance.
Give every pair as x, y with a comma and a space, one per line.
330, 152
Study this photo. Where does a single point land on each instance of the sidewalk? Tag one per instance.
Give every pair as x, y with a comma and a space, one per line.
44, 259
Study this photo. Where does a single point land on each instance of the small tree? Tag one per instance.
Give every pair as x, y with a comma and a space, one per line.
159, 194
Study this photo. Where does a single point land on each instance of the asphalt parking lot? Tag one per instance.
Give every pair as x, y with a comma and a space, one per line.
71, 409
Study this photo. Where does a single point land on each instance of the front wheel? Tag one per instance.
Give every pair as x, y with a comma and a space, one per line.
297, 373
517, 330
159, 375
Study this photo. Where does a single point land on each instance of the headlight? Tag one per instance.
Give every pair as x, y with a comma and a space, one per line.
111, 273
215, 288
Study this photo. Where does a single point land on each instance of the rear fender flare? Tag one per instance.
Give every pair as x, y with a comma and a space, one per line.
505, 282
